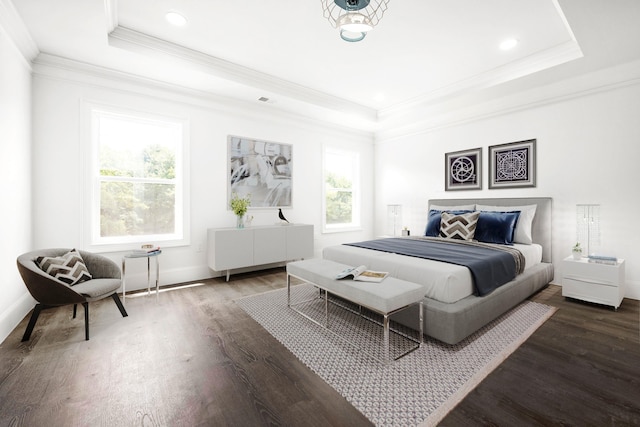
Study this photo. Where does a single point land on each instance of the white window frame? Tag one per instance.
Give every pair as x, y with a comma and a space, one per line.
356, 190
92, 239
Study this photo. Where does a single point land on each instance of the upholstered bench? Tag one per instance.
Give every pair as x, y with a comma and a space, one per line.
385, 298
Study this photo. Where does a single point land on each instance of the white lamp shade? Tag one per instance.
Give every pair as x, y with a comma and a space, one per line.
354, 22
394, 219
588, 227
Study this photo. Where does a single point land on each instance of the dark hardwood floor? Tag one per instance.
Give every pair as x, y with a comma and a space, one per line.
194, 358
580, 368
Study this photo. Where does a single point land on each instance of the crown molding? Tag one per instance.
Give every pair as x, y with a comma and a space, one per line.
560, 54
548, 58
128, 39
85, 74
111, 13
609, 79
15, 28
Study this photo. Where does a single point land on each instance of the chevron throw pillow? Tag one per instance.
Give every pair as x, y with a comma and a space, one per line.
68, 268
459, 226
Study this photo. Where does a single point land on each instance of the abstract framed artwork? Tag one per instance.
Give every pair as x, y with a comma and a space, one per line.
513, 165
463, 170
261, 169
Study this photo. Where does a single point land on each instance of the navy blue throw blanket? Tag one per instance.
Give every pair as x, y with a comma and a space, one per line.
490, 267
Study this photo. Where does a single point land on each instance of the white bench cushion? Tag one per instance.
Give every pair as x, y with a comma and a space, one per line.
385, 297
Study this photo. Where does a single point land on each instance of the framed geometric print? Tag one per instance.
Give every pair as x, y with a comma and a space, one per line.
513, 165
463, 170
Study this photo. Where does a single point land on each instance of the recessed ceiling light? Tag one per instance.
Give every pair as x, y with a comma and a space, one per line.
508, 44
174, 18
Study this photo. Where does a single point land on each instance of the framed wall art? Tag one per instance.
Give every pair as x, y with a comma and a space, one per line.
261, 169
513, 165
463, 170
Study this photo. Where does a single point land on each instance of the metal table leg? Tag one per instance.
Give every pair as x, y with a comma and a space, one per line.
385, 338
157, 276
124, 287
148, 276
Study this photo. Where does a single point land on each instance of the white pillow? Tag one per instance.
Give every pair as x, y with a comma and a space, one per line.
453, 208
523, 227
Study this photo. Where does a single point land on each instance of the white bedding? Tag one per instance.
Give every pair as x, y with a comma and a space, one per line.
442, 281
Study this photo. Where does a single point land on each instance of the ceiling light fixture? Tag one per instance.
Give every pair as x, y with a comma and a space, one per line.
354, 18
508, 44
174, 18
379, 97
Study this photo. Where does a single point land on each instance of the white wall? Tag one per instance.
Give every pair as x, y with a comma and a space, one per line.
15, 181
587, 152
59, 138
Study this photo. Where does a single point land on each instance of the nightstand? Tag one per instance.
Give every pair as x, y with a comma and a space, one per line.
593, 282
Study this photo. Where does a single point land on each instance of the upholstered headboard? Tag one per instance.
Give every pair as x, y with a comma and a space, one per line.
541, 227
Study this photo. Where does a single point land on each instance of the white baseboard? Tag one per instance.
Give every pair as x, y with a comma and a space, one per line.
11, 317
138, 281
633, 290
173, 276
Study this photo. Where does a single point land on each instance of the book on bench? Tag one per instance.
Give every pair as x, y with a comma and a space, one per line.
362, 274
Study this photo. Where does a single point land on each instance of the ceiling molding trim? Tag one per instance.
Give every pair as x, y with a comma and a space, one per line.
81, 73
128, 39
600, 81
556, 4
16, 30
111, 13
557, 55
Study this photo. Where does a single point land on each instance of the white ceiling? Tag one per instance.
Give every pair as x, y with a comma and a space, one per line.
421, 52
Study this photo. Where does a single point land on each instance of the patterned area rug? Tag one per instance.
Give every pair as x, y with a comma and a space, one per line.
417, 389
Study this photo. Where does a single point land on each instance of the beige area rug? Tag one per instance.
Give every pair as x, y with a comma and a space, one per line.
417, 389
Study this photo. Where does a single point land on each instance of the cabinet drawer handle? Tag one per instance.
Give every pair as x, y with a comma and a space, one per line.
595, 282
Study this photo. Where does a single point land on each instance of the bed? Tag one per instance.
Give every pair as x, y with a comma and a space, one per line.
454, 306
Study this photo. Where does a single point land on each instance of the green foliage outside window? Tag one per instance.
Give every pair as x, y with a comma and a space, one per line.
339, 199
137, 191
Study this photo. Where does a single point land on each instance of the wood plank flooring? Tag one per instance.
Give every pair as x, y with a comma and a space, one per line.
580, 368
194, 358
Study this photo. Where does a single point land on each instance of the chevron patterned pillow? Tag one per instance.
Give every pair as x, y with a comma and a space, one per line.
459, 226
68, 268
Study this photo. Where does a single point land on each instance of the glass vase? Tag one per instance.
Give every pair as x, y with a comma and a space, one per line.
239, 221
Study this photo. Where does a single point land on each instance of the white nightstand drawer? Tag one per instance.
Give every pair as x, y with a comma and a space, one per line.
592, 272
593, 292
588, 281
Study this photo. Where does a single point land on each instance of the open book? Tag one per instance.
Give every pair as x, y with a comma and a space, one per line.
362, 274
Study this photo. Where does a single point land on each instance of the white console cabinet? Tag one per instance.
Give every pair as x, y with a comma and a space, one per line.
593, 282
231, 248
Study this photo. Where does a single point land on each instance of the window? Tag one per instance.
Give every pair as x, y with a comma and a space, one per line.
341, 208
137, 179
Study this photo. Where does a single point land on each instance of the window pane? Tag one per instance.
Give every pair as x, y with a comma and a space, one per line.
339, 180
137, 148
136, 209
339, 207
138, 179
341, 188
154, 161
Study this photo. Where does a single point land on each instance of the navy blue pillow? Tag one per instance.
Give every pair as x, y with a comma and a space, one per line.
496, 227
433, 221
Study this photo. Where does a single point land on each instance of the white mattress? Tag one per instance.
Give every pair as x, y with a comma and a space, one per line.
443, 282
